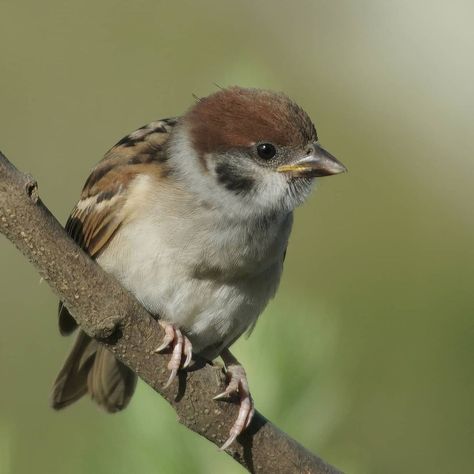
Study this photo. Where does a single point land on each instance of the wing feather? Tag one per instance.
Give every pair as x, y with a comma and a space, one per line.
100, 212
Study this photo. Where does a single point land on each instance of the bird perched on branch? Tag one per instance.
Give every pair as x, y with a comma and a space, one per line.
192, 215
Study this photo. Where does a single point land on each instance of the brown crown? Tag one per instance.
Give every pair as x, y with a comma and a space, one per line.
238, 117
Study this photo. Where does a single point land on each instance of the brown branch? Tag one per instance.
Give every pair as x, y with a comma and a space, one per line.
113, 316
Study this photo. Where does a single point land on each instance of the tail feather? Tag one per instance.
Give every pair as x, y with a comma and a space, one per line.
90, 368
71, 382
110, 383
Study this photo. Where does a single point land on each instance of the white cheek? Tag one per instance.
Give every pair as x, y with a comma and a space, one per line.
272, 192
271, 189
275, 192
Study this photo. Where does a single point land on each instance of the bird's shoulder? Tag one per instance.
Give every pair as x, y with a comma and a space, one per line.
129, 156
100, 211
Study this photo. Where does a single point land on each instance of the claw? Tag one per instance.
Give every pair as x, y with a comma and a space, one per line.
172, 376
229, 441
250, 417
244, 418
221, 395
232, 387
176, 355
181, 347
168, 337
238, 384
166, 342
188, 350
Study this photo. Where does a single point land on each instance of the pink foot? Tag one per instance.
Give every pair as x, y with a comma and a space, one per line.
181, 347
238, 384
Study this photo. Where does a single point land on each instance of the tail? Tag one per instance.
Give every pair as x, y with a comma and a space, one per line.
90, 368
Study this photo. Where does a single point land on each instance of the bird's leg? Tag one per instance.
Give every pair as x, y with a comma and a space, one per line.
237, 383
181, 347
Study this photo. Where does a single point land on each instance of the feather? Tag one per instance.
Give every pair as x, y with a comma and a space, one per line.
92, 224
100, 212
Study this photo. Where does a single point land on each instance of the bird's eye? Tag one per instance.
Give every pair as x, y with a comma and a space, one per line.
266, 151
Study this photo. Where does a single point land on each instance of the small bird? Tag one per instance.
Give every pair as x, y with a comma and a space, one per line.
192, 215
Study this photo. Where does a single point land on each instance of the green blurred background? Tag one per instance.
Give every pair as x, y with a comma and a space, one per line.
365, 356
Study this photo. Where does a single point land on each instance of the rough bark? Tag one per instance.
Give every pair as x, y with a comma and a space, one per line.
113, 316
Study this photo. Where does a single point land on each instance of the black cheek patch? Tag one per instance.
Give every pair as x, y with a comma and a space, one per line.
229, 176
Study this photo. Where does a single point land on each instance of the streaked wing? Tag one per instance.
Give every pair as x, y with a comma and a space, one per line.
101, 211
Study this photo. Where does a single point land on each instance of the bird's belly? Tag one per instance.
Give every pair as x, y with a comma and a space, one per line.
213, 312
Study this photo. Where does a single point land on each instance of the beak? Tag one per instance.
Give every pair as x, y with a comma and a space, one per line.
317, 163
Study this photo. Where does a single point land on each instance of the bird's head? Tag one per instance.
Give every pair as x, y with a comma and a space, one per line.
252, 150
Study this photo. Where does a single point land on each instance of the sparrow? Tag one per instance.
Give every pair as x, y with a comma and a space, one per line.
192, 215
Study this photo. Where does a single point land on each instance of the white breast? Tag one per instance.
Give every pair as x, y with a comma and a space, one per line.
193, 266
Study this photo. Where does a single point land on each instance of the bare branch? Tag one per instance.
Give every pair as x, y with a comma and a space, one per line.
109, 313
